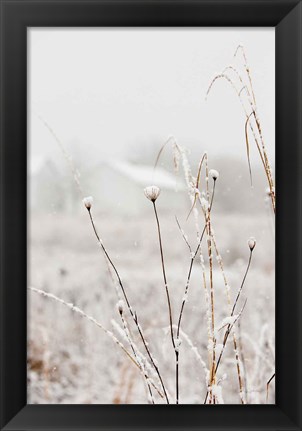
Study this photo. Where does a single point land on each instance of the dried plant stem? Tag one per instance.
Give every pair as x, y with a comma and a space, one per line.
240, 47
145, 365
132, 313
267, 386
209, 301
242, 358
181, 153
226, 335
204, 160
196, 194
242, 283
230, 326
252, 103
194, 349
128, 335
193, 256
244, 86
76, 177
170, 138
164, 274
208, 309
227, 290
229, 329
188, 282
238, 367
248, 146
263, 157
77, 310
209, 243
191, 183
167, 293
207, 215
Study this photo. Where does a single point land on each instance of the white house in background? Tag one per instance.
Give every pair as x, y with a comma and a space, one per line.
119, 186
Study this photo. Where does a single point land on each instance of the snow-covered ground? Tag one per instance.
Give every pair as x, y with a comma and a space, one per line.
71, 360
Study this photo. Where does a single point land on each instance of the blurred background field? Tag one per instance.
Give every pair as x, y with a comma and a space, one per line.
71, 361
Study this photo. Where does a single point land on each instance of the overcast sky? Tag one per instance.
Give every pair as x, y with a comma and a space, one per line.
107, 91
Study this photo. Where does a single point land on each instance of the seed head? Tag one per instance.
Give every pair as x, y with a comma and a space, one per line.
88, 202
152, 193
251, 243
120, 306
214, 174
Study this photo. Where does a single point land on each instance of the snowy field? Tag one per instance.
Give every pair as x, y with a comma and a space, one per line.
70, 360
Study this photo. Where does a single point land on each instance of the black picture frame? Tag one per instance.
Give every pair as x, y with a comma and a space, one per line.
16, 16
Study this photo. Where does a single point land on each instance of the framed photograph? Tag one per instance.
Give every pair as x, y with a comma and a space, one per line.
149, 279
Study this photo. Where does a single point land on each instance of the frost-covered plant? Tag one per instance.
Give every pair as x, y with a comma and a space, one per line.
152, 193
205, 199
243, 84
148, 366
201, 195
133, 313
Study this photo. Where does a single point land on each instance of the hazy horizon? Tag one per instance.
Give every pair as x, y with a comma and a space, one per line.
108, 92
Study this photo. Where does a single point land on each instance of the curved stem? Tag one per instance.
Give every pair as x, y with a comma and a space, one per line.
242, 283
164, 274
230, 326
167, 294
133, 314
236, 350
226, 335
267, 385
127, 332
77, 310
187, 287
